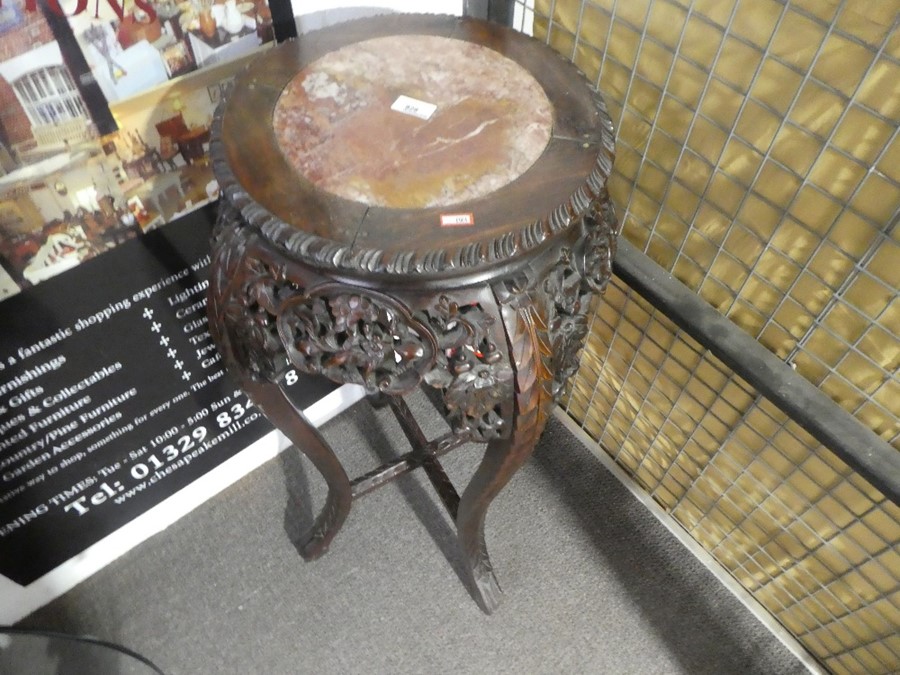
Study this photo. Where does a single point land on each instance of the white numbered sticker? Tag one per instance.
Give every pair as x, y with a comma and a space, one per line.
413, 106
457, 219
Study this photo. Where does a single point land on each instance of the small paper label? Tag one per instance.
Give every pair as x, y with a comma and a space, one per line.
457, 219
413, 106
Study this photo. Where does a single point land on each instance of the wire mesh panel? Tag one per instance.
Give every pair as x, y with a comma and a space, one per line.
758, 160
809, 538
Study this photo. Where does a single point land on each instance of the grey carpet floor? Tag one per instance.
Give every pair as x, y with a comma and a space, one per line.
593, 583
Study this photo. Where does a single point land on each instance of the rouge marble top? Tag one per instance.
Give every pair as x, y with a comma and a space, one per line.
342, 123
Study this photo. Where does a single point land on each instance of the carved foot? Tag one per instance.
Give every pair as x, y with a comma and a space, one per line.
284, 414
484, 586
499, 464
488, 593
315, 543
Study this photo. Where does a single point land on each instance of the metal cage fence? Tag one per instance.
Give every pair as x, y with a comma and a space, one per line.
758, 161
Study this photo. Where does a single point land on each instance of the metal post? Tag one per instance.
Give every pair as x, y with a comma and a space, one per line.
826, 421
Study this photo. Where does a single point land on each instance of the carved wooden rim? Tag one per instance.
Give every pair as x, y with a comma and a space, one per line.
329, 254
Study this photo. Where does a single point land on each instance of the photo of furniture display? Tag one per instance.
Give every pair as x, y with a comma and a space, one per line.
189, 141
411, 200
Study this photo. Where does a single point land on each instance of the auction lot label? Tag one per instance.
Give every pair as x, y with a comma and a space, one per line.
113, 396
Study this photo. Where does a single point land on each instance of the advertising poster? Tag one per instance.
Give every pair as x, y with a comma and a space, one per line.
105, 111
116, 415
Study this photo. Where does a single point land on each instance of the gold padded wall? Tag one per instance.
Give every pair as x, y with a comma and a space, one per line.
758, 160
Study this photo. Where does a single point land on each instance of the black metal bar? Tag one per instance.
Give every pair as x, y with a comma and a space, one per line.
477, 9
81, 73
498, 11
826, 421
283, 22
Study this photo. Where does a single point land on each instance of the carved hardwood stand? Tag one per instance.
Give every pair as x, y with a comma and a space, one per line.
477, 288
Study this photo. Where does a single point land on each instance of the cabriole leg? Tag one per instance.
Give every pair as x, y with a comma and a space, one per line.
530, 353
290, 420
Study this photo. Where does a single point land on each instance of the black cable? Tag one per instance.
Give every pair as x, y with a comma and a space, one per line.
12, 630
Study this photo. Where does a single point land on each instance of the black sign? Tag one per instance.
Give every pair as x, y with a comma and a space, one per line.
113, 397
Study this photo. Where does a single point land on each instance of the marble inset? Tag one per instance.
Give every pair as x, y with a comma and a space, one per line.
335, 125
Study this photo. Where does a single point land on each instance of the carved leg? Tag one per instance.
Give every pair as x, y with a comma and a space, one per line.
530, 353
281, 411
243, 317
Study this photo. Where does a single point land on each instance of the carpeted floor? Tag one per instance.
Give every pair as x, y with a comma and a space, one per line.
593, 583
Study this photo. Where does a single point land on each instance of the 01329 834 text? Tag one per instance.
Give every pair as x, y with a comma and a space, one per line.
165, 454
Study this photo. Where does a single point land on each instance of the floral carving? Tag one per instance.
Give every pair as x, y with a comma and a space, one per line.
568, 296
248, 317
561, 294
473, 373
270, 321
599, 243
366, 339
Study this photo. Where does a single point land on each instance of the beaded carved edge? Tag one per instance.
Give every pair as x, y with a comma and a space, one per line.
327, 253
